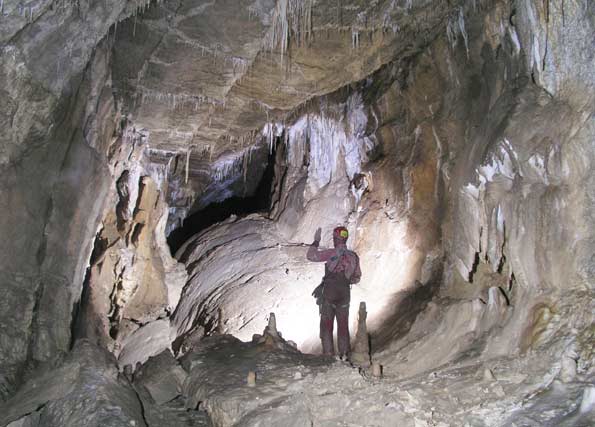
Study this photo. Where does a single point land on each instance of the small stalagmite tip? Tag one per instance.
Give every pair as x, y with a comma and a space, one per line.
376, 370
251, 380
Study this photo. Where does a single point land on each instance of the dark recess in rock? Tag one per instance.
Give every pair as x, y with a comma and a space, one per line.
216, 212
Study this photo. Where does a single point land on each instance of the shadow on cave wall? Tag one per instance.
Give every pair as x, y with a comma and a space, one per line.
407, 305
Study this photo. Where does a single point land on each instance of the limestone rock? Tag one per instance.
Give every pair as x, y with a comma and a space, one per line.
31, 420
454, 139
162, 376
221, 389
149, 340
86, 389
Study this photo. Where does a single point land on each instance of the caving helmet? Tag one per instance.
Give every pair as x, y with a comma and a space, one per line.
340, 233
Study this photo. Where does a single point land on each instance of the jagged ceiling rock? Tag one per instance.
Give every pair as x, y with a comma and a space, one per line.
205, 75
202, 89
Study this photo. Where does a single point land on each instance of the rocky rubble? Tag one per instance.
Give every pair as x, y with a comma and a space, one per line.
86, 389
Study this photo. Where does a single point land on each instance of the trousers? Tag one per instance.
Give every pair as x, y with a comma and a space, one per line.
335, 305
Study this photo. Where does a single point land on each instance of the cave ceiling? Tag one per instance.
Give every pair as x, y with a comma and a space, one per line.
206, 75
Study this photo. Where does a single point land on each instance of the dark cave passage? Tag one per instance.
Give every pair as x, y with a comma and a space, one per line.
259, 202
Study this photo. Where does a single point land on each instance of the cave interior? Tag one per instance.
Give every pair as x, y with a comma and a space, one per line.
166, 164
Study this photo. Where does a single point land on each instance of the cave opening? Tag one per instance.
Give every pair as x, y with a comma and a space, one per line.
213, 213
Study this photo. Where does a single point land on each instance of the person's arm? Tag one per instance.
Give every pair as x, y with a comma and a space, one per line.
312, 254
318, 255
315, 253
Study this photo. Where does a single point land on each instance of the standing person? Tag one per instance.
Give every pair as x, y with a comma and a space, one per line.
340, 271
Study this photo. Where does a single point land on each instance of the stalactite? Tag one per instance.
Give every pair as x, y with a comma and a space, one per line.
239, 65
461, 22
456, 26
354, 39
176, 100
188, 152
289, 17
233, 165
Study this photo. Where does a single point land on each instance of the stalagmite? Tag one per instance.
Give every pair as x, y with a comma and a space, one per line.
361, 348
251, 380
271, 328
376, 369
220, 321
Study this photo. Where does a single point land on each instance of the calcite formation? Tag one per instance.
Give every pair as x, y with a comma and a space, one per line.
360, 354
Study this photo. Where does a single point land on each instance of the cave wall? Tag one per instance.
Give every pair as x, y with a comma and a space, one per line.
507, 111
465, 146
62, 124
54, 188
58, 115
132, 281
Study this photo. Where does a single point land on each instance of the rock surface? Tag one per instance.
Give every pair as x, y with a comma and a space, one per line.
162, 377
85, 390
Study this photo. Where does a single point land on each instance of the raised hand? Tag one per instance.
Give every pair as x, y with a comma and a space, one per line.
318, 235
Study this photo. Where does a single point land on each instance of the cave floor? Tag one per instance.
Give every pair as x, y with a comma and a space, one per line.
296, 389
439, 374
293, 389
